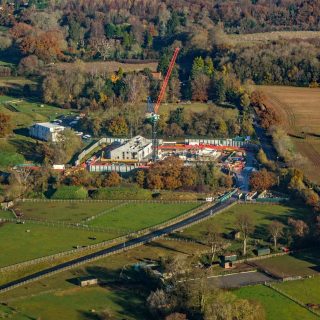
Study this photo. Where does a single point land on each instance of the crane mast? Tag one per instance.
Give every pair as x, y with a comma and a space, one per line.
155, 116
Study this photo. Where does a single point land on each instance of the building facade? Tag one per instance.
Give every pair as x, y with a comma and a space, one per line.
46, 131
137, 149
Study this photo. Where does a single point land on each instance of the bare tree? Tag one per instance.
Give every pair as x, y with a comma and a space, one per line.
275, 230
246, 227
214, 240
102, 46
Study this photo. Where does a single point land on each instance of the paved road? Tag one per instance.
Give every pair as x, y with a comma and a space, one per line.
117, 248
266, 143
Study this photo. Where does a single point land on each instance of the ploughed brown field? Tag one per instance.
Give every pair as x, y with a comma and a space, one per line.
299, 111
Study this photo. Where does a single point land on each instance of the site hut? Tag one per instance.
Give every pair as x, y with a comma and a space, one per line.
46, 131
227, 260
263, 251
87, 281
136, 149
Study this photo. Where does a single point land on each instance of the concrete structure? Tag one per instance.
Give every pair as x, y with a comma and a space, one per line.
137, 148
89, 281
46, 131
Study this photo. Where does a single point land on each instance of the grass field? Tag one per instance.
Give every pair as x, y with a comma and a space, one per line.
299, 113
275, 305
63, 211
305, 263
6, 214
253, 38
262, 215
108, 66
58, 298
141, 215
307, 290
24, 113
45, 240
42, 241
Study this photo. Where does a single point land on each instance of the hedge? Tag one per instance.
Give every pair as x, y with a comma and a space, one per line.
70, 192
122, 193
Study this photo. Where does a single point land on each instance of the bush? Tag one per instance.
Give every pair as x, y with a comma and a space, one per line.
122, 193
70, 192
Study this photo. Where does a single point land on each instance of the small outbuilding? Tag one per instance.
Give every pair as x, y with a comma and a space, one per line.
227, 260
263, 251
88, 281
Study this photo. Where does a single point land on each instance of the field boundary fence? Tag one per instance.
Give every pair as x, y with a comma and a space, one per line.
88, 260
109, 200
293, 299
104, 243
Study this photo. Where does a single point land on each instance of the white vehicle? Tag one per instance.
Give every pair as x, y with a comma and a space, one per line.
86, 136
209, 199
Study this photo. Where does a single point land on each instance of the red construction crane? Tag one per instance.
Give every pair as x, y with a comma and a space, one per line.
155, 116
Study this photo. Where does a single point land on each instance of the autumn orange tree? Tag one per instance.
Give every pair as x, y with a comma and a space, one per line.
5, 124
262, 180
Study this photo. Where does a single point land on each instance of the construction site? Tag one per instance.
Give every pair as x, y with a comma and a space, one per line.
125, 155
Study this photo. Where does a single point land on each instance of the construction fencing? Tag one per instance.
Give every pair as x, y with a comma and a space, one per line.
86, 151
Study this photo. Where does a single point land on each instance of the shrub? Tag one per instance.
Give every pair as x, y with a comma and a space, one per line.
122, 193
70, 192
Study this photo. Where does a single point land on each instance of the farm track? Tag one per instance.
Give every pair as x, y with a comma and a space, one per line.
286, 113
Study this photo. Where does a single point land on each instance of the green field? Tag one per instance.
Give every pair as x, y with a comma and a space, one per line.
6, 214
64, 211
58, 298
262, 216
21, 245
304, 263
25, 113
307, 291
45, 240
141, 215
275, 305
81, 303
192, 107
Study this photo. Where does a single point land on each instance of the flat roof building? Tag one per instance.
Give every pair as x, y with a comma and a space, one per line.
137, 148
46, 131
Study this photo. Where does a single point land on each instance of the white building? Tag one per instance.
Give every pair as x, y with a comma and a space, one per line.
46, 131
136, 148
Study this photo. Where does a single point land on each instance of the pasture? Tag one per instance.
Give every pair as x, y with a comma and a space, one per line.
304, 263
58, 298
30, 241
66, 211
261, 217
298, 109
141, 215
276, 305
306, 290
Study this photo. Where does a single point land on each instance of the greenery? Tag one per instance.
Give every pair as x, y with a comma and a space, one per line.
65, 211
302, 263
261, 217
70, 192
122, 193
275, 305
306, 291
141, 215
42, 240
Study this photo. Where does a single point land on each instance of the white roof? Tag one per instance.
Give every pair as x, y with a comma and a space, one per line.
49, 125
135, 144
